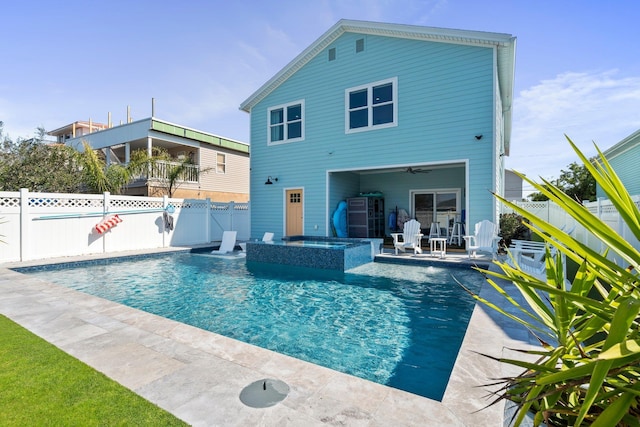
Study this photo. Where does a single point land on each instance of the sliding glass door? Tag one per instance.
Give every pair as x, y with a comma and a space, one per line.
439, 206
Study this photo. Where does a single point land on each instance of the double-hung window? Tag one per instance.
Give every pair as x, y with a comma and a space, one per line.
286, 123
221, 163
371, 106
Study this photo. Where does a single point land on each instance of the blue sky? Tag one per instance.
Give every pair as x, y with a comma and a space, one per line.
577, 62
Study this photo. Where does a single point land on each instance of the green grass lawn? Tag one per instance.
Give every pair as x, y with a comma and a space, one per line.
42, 385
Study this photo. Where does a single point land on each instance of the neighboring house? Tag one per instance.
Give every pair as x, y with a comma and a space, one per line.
219, 167
420, 115
512, 186
624, 158
76, 129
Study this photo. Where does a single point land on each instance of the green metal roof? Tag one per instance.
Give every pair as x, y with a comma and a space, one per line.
199, 136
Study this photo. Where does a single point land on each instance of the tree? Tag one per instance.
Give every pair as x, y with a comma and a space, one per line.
586, 370
576, 182
99, 178
57, 168
33, 164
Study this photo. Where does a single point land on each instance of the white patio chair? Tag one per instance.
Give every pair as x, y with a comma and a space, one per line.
485, 239
228, 243
268, 237
409, 239
530, 257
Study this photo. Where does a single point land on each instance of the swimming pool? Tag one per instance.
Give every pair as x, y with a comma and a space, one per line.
397, 325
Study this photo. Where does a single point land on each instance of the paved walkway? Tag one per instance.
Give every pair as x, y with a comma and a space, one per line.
198, 375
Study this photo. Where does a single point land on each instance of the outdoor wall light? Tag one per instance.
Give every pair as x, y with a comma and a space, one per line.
269, 182
479, 137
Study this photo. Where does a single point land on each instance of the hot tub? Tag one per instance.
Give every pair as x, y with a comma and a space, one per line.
315, 252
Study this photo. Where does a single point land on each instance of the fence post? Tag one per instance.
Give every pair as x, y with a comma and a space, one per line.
24, 223
232, 211
599, 213
165, 204
209, 218
105, 211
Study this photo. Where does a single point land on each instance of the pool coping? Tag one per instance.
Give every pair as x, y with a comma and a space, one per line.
186, 370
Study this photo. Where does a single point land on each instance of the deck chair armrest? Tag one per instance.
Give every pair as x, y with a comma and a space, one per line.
396, 237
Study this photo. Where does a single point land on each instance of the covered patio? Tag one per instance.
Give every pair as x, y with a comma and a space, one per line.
431, 193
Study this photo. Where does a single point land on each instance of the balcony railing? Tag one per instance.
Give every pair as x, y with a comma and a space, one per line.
161, 170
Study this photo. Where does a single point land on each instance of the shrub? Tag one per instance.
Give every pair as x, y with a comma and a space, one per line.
512, 227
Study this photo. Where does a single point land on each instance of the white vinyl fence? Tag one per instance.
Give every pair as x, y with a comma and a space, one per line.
44, 225
603, 209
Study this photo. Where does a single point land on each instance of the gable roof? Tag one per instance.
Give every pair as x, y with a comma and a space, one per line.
505, 43
626, 144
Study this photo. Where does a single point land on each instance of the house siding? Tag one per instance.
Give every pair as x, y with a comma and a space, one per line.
234, 180
445, 97
625, 163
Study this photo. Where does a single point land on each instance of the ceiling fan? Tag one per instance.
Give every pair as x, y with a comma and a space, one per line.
413, 170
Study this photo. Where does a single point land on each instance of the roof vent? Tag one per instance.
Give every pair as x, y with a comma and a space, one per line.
332, 54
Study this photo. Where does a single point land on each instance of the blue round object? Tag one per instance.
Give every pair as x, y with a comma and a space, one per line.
340, 219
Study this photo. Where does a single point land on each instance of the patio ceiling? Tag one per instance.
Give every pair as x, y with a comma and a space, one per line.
408, 168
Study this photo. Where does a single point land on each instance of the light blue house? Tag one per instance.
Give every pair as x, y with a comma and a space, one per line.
624, 158
418, 116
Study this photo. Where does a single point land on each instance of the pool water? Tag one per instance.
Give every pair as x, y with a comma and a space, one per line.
397, 325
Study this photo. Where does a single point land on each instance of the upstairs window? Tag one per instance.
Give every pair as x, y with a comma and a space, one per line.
286, 123
371, 106
221, 163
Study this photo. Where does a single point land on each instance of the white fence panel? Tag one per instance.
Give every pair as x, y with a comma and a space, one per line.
230, 216
603, 209
190, 222
45, 225
10, 225
58, 224
142, 223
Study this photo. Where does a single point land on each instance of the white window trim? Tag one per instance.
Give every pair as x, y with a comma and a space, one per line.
284, 107
224, 163
455, 190
369, 87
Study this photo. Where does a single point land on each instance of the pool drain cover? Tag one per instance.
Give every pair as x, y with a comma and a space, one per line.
264, 393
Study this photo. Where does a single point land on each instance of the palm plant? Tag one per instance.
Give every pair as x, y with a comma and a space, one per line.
587, 369
97, 177
173, 173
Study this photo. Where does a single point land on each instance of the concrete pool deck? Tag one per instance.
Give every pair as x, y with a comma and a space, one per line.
198, 375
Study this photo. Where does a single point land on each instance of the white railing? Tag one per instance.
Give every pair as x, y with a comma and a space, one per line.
161, 169
603, 209
45, 225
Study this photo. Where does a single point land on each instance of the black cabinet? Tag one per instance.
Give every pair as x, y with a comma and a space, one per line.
365, 217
